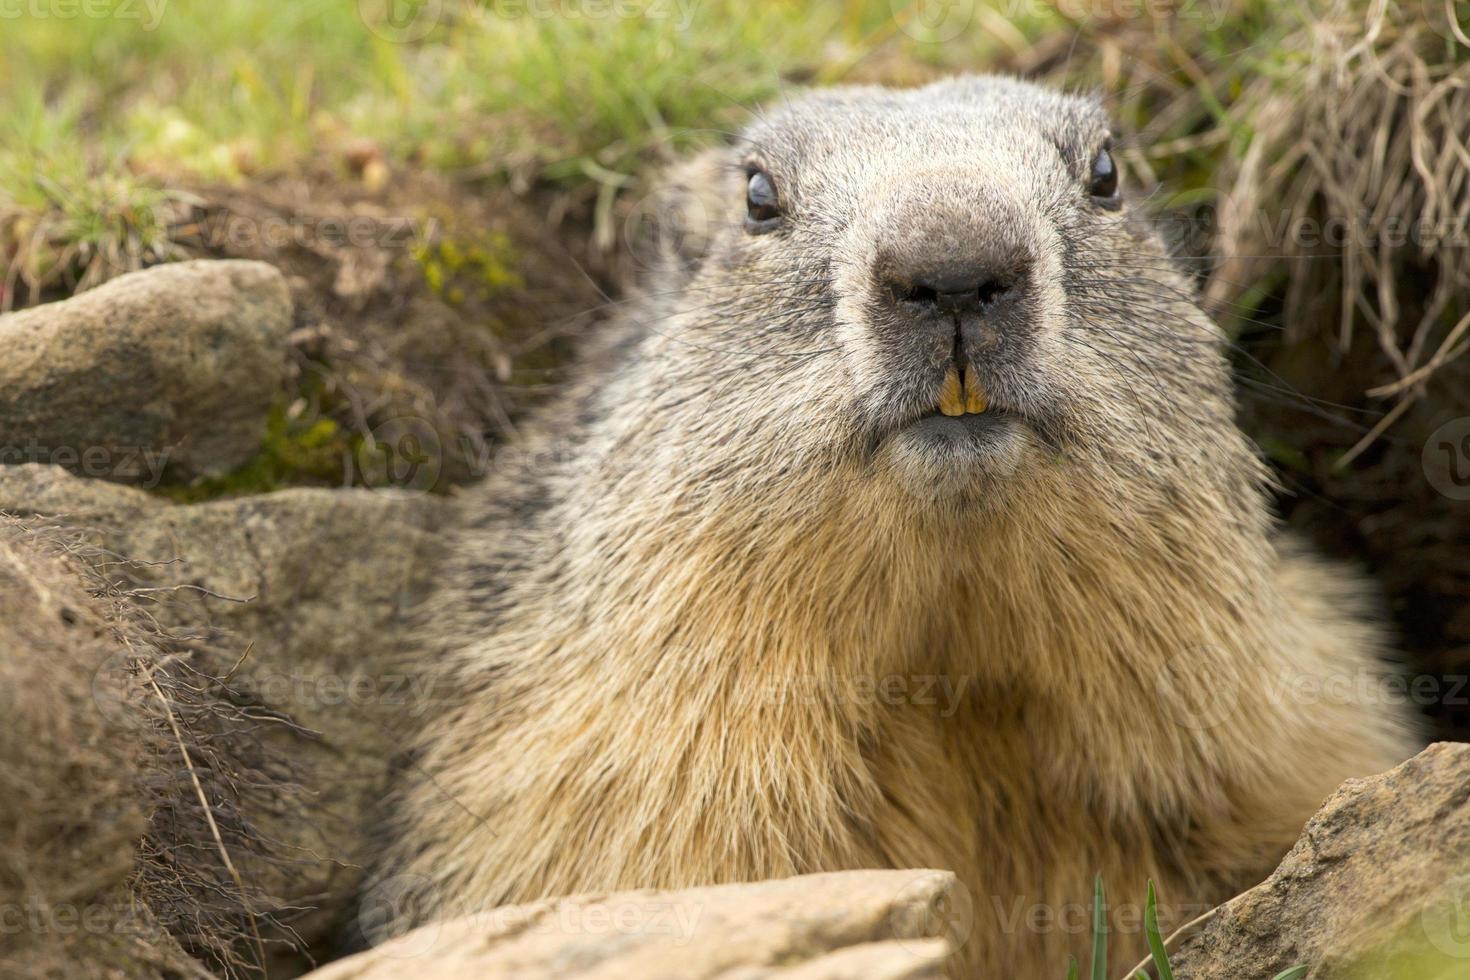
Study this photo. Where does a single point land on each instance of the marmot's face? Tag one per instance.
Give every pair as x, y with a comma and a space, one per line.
947, 287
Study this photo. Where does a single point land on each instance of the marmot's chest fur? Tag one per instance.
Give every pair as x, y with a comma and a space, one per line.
902, 522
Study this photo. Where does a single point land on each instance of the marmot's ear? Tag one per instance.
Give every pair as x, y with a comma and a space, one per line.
676, 225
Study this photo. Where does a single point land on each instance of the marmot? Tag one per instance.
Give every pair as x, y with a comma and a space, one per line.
901, 520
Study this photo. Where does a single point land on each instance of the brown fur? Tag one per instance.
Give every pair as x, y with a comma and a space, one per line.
676, 610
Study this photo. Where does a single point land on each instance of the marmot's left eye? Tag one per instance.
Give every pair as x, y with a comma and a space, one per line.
762, 208
1104, 181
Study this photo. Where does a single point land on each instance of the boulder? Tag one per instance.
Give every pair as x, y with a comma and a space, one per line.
307, 589
1376, 888
72, 796
850, 925
172, 367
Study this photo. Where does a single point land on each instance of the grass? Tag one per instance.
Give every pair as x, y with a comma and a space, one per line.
248, 86
113, 109
1158, 954
240, 88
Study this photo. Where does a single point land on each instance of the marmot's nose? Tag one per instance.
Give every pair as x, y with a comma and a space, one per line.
956, 288
945, 246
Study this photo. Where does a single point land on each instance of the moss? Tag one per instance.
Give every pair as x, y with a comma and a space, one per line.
477, 267
296, 450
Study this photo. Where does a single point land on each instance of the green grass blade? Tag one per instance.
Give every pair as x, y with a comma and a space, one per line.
1071, 968
1295, 973
1099, 932
1155, 940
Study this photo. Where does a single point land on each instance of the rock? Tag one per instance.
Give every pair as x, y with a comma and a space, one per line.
850, 925
71, 791
310, 586
1378, 886
176, 365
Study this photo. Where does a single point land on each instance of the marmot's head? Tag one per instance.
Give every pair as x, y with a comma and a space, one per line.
944, 289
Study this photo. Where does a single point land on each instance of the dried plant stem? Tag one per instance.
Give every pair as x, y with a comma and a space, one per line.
224, 852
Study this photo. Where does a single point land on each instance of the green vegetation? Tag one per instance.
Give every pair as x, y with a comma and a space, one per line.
483, 267
299, 446
109, 116
104, 111
235, 87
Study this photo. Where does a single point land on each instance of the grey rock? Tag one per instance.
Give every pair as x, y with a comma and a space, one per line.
177, 364
310, 587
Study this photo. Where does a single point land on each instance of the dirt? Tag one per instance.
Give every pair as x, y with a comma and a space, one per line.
423, 307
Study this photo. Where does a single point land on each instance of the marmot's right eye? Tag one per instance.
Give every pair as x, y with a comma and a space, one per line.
1103, 184
762, 209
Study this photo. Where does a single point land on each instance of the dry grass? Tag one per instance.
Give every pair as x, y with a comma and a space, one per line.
135, 780
1375, 145
94, 228
1311, 160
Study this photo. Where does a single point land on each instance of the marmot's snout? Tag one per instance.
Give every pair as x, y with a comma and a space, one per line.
945, 250
955, 265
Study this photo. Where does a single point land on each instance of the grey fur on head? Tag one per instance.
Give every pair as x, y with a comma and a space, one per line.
1108, 357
